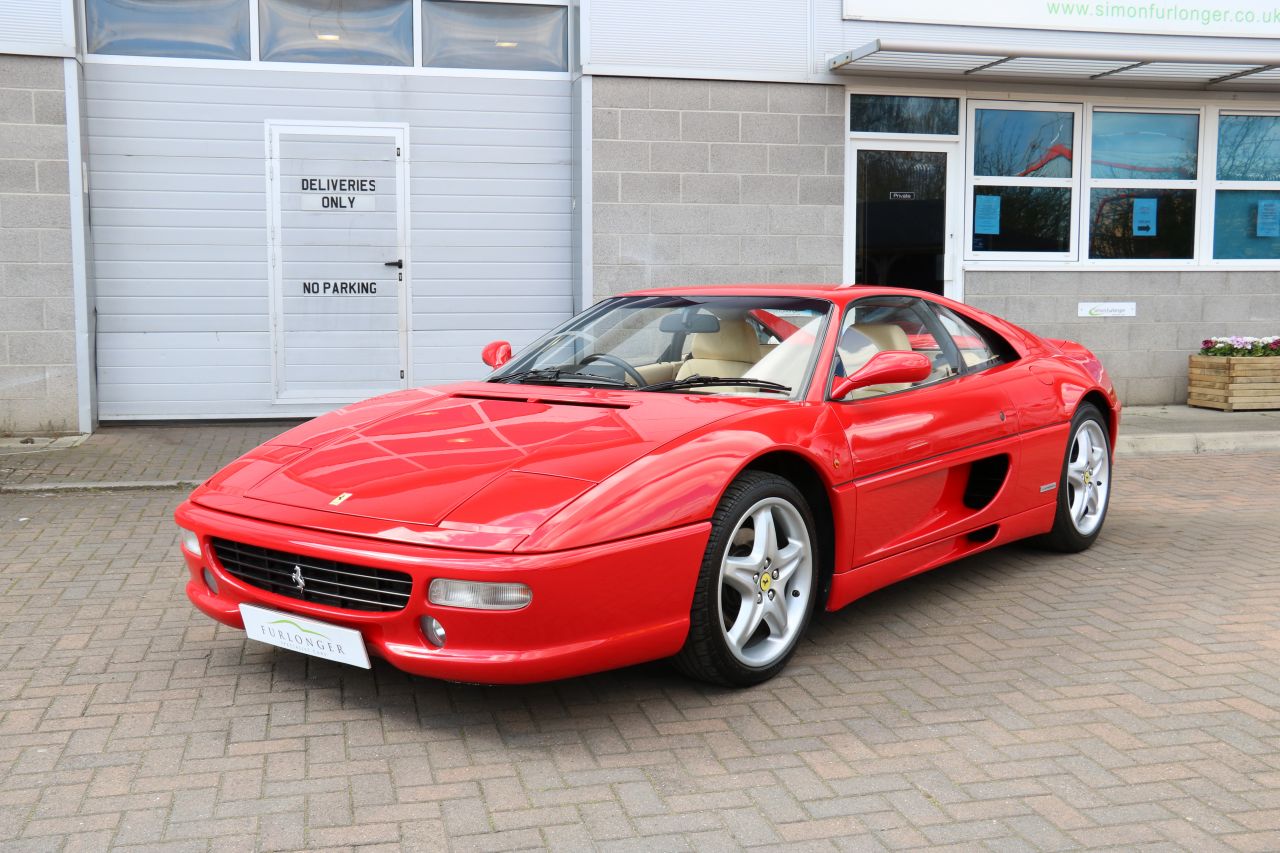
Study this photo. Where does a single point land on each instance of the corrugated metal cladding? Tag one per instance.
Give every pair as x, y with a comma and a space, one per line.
180, 219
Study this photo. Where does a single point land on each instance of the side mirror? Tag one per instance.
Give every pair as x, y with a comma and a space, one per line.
885, 368
496, 354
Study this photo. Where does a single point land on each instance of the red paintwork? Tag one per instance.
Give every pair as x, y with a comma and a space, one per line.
777, 326
496, 354
884, 368
600, 499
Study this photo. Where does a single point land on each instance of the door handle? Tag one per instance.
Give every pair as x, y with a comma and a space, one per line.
397, 264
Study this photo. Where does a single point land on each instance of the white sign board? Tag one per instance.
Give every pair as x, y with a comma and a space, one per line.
299, 634
1248, 18
1108, 309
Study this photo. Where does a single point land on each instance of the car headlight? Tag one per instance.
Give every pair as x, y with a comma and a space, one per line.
190, 541
477, 595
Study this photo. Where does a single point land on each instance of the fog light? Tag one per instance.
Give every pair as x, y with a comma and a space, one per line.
210, 581
190, 541
479, 596
434, 631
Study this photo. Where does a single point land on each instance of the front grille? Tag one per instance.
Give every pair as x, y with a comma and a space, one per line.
323, 581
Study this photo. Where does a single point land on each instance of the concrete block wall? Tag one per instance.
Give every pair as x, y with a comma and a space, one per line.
1146, 355
37, 318
715, 182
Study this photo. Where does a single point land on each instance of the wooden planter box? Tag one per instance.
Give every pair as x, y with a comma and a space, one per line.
1233, 383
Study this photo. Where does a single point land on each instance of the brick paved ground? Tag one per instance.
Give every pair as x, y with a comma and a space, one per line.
147, 453
1128, 698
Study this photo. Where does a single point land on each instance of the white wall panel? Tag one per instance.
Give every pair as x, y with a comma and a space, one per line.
37, 27
766, 39
792, 40
179, 224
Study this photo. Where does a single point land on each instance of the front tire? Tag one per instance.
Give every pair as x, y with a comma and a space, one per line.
757, 584
1084, 490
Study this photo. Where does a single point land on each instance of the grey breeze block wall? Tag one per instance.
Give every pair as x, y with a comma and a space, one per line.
715, 182
1146, 355
37, 320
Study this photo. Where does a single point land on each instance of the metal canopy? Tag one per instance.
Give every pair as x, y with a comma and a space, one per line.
1235, 71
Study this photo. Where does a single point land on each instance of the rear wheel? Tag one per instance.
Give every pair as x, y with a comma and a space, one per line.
756, 587
1084, 489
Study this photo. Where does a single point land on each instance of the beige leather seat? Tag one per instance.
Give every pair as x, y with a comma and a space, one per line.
729, 352
861, 341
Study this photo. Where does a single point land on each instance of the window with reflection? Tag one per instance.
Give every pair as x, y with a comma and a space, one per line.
904, 114
1144, 146
504, 36
1246, 224
1142, 223
1248, 148
1021, 219
1246, 220
1023, 143
1142, 187
1022, 167
347, 32
184, 29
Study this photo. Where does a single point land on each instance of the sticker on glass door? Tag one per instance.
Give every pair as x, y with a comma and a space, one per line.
338, 238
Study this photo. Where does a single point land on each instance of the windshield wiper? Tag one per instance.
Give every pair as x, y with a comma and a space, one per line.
556, 376
698, 381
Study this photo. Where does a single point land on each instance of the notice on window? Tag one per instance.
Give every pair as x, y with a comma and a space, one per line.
986, 214
1144, 217
1269, 218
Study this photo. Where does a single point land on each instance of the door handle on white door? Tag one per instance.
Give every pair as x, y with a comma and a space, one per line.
397, 264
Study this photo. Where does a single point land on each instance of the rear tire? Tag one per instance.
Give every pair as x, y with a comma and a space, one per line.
1084, 488
757, 584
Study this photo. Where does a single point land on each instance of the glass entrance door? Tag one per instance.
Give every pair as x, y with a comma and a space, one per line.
904, 216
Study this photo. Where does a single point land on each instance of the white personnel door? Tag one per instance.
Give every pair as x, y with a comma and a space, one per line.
339, 270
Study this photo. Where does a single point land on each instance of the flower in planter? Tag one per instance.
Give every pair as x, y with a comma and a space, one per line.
1236, 345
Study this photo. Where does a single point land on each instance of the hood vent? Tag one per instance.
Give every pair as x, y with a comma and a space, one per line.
550, 401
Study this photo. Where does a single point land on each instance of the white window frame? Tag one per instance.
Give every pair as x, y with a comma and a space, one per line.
1091, 183
1213, 185
416, 69
953, 216
973, 181
950, 143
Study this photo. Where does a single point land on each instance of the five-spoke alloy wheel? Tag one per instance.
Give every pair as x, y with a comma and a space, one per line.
755, 592
1085, 487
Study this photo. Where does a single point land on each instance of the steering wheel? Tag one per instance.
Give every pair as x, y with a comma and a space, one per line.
626, 368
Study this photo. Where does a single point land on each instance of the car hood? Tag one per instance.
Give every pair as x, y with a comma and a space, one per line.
513, 449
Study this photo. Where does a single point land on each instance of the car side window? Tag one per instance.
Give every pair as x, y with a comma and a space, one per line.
883, 323
975, 345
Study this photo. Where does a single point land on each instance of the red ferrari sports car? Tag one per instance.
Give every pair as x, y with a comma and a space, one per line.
682, 473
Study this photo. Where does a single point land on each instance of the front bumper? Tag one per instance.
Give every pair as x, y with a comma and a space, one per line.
593, 608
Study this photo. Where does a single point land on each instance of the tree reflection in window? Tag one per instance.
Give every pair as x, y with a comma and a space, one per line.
904, 114
1144, 146
1136, 222
1023, 143
1248, 148
1031, 219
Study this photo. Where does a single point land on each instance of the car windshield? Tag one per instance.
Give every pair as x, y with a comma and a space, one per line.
737, 345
